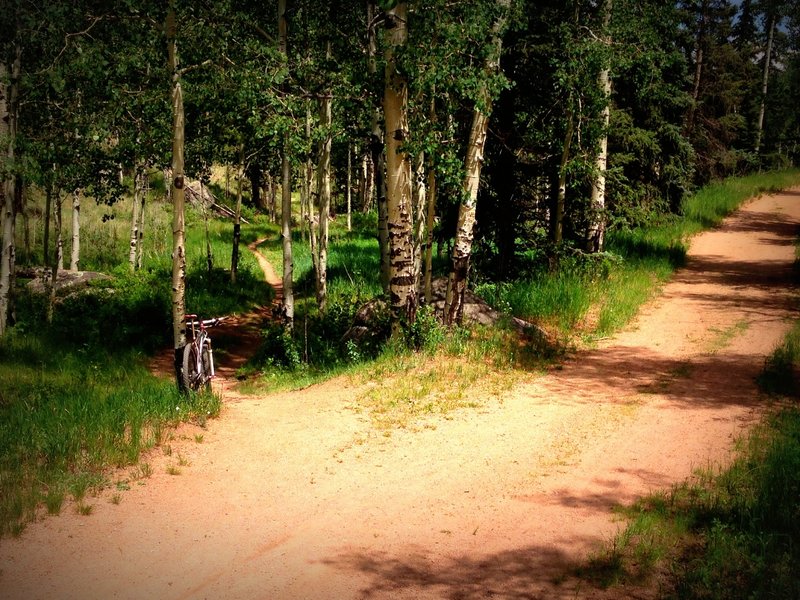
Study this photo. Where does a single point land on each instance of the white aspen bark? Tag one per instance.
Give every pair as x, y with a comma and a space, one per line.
596, 235
286, 194
75, 250
142, 204
237, 220
178, 197
419, 221
349, 186
134, 241
324, 186
209, 252
765, 81
557, 215
402, 282
59, 257
310, 217
698, 63
462, 247
286, 238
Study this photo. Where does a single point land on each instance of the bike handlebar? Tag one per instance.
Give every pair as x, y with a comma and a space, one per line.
193, 320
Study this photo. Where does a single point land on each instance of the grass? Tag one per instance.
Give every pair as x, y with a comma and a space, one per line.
67, 416
595, 296
726, 534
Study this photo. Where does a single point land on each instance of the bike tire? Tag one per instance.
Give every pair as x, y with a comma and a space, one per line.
190, 374
206, 363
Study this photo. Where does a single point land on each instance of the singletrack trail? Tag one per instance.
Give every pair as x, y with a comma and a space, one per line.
294, 495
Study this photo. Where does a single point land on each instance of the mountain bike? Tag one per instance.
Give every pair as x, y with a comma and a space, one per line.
198, 359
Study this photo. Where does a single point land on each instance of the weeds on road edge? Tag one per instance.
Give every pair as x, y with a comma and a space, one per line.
729, 534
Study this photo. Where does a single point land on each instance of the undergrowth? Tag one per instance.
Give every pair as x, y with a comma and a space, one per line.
67, 416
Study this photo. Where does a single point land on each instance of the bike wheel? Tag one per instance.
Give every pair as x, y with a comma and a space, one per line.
192, 367
206, 364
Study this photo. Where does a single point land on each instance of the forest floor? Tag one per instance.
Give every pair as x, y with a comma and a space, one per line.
296, 495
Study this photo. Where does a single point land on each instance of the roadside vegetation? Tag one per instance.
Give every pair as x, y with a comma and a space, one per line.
729, 533
77, 400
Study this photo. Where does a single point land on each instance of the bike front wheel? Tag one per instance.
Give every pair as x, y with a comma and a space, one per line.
197, 368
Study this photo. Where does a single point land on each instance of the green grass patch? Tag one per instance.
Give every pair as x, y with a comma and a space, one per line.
66, 416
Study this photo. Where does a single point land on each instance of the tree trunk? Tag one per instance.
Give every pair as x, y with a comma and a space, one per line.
402, 280
765, 81
324, 186
254, 175
557, 213
59, 257
286, 193
349, 187
377, 151
462, 248
310, 218
142, 204
596, 234
48, 208
8, 218
134, 242
698, 63
75, 250
178, 199
209, 252
237, 221
419, 192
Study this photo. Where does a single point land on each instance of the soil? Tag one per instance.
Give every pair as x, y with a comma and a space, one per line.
295, 495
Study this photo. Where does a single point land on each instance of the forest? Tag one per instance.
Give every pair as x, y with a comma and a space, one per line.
486, 142
449, 194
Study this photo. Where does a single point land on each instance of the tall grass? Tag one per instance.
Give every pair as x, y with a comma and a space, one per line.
596, 296
66, 416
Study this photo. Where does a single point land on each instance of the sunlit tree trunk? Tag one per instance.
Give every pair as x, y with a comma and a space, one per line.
286, 194
419, 192
140, 228
429, 224
462, 247
75, 250
557, 213
178, 197
311, 219
237, 220
402, 280
324, 187
596, 233
134, 241
764, 82
59, 256
349, 187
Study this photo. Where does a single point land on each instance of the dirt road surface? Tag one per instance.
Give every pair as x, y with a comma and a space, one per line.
293, 495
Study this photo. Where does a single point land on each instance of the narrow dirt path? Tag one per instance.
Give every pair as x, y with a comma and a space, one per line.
294, 495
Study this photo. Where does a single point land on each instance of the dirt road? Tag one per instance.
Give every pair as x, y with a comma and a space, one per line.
293, 495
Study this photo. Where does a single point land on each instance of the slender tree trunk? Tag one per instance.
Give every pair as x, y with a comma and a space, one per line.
237, 221
378, 162
596, 234
764, 83
313, 225
75, 250
178, 198
59, 257
134, 243
420, 205
286, 193
140, 228
402, 280
209, 252
349, 187
557, 213
48, 208
324, 186
699, 45
7, 217
462, 247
